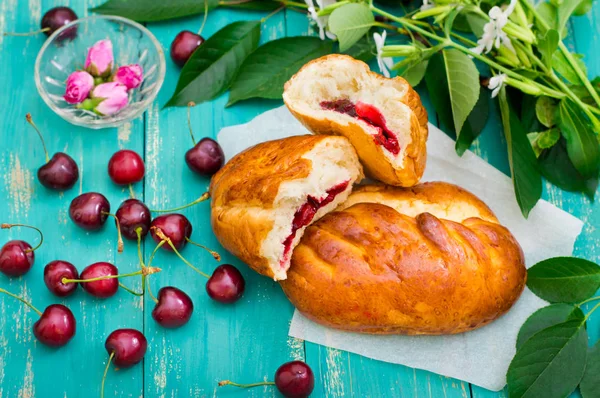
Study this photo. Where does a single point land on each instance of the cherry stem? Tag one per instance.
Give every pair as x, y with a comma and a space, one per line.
231, 383
189, 107
30, 121
158, 246
122, 286
35, 32
205, 196
166, 239
27, 303
131, 192
138, 232
216, 255
110, 358
9, 226
119, 237
205, 17
145, 271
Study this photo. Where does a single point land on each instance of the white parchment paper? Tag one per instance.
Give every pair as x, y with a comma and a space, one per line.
482, 356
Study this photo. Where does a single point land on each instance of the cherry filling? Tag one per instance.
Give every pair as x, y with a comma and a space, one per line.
305, 214
368, 114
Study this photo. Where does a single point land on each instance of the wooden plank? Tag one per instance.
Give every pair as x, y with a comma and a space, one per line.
245, 341
27, 368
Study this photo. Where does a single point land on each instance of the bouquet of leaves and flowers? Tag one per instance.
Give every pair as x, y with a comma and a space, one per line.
467, 52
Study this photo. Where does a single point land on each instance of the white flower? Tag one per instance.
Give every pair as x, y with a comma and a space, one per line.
384, 63
493, 35
320, 21
496, 83
427, 4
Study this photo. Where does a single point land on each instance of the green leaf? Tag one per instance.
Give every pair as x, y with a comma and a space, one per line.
475, 123
153, 11
414, 73
582, 145
257, 5
523, 163
590, 383
363, 50
544, 140
476, 22
545, 109
565, 10
266, 70
350, 22
550, 363
564, 279
549, 14
449, 23
548, 46
583, 8
211, 68
564, 68
557, 168
546, 317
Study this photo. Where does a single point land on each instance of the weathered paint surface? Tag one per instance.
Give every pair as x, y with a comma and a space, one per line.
244, 342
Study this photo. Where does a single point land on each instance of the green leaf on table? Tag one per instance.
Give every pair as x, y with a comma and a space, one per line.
549, 14
557, 168
363, 50
153, 11
583, 8
564, 279
548, 45
564, 68
266, 70
550, 363
545, 110
475, 123
414, 73
350, 22
256, 5
527, 180
565, 10
543, 140
590, 383
211, 68
546, 317
582, 144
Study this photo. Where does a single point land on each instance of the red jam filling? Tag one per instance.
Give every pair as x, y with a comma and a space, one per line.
368, 114
305, 214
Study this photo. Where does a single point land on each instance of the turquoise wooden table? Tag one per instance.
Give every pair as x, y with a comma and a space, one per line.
245, 342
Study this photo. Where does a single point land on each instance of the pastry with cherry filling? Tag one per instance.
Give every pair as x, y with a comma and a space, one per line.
383, 118
264, 198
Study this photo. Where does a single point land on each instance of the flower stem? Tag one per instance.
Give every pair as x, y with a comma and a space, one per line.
591, 312
30, 121
231, 383
205, 196
8, 226
119, 237
205, 17
588, 300
110, 358
330, 8
189, 107
27, 303
213, 253
262, 20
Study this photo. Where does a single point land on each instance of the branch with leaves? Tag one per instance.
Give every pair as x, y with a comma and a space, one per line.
550, 109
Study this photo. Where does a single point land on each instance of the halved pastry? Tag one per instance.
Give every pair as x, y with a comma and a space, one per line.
431, 259
264, 198
383, 118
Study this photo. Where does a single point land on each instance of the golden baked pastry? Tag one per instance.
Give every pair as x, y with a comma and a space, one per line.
383, 118
263, 198
431, 259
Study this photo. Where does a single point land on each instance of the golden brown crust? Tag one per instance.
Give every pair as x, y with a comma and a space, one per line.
371, 155
371, 269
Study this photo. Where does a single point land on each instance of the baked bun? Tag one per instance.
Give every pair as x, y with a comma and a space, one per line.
383, 118
263, 198
427, 260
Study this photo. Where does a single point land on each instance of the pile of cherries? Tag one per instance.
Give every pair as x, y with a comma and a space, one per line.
90, 211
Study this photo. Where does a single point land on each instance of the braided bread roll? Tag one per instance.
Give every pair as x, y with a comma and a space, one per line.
383, 118
427, 260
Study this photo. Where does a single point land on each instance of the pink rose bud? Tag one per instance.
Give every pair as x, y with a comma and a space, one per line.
130, 76
100, 59
109, 98
79, 85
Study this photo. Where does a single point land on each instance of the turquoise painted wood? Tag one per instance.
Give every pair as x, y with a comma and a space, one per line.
246, 341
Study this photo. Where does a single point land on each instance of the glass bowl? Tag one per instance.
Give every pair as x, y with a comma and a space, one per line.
65, 51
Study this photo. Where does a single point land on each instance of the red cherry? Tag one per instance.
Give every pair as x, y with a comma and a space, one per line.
56, 18
184, 45
226, 285
54, 272
133, 214
126, 167
206, 157
89, 210
103, 288
175, 227
128, 345
56, 326
174, 308
295, 379
16, 258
